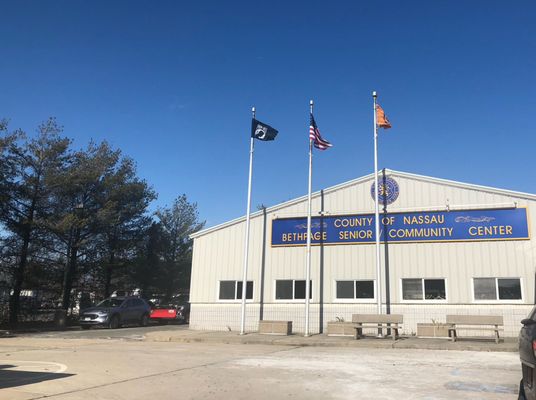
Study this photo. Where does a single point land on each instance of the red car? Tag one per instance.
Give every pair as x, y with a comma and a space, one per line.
176, 309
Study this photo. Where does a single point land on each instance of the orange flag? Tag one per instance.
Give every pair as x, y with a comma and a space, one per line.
381, 118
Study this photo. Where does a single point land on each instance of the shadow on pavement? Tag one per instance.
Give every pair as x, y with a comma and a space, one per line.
35, 327
11, 378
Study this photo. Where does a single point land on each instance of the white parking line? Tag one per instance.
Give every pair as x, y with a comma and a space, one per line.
34, 366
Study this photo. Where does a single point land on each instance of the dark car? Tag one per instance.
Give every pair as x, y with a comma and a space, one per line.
115, 312
175, 309
527, 354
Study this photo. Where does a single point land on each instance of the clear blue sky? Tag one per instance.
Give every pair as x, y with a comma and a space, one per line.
171, 83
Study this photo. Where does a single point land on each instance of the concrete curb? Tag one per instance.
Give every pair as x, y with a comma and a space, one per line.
5, 333
189, 336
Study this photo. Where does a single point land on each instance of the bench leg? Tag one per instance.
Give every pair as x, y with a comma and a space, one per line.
496, 335
394, 332
358, 332
452, 333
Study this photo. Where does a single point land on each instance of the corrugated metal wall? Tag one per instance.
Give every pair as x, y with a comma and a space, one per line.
218, 255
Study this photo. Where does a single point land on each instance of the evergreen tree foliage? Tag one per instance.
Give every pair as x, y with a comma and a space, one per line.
77, 221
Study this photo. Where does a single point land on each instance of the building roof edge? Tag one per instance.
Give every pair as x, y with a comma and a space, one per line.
364, 178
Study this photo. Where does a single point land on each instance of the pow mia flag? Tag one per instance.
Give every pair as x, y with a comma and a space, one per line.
262, 131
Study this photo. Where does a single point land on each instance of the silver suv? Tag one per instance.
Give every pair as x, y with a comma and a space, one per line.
115, 312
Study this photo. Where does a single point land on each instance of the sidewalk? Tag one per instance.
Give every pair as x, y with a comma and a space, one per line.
191, 336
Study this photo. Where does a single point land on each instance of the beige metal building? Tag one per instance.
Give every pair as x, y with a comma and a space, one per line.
447, 248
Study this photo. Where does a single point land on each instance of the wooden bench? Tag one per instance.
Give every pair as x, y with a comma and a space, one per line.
380, 321
275, 327
475, 323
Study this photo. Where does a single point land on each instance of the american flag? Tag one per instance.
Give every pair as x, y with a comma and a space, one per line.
314, 135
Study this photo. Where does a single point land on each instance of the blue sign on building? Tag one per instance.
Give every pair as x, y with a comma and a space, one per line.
424, 226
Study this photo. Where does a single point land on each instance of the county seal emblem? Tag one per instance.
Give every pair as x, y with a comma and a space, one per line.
388, 192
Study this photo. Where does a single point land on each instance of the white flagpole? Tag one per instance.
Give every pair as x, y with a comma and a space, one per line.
308, 265
377, 210
246, 241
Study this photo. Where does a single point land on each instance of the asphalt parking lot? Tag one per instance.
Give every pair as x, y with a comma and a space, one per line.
71, 365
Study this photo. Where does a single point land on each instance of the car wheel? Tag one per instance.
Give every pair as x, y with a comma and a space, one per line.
86, 327
144, 320
114, 322
521, 395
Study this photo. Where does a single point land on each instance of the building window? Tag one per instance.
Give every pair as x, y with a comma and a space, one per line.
354, 290
423, 289
232, 290
497, 288
292, 290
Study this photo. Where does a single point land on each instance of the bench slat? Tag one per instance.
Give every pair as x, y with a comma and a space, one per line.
475, 319
481, 328
378, 318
